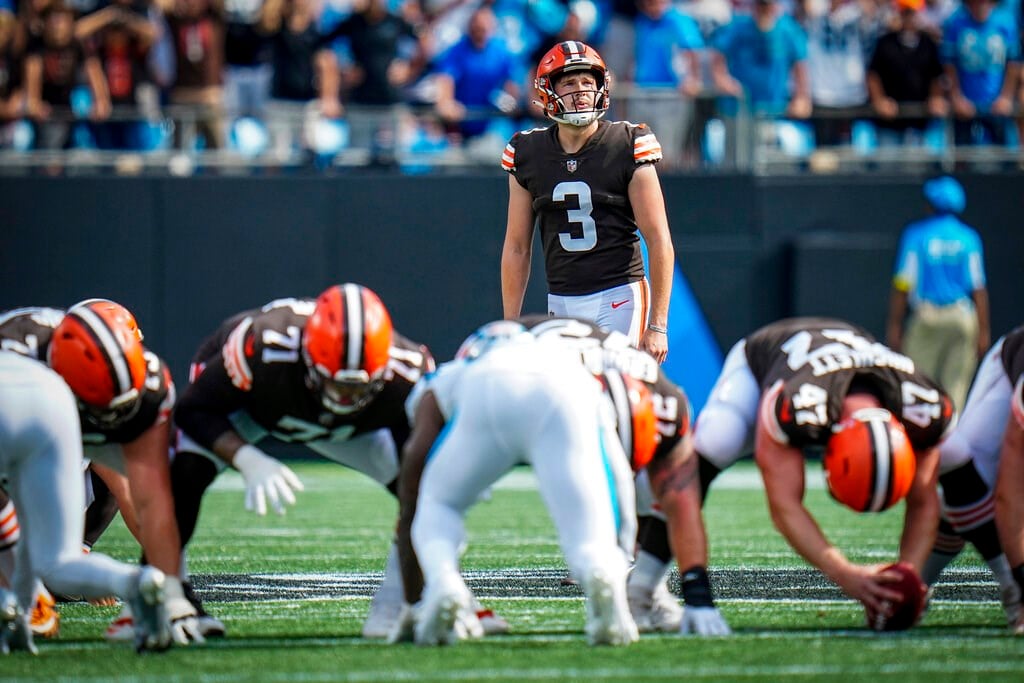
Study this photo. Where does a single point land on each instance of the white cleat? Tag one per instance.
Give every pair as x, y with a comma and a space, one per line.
608, 619
152, 625
385, 610
15, 629
494, 624
657, 611
446, 616
122, 628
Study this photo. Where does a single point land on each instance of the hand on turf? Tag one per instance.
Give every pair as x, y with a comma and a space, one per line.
265, 478
182, 614
703, 621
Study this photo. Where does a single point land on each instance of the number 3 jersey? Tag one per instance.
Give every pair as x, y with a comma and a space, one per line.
599, 349
253, 363
587, 226
811, 364
28, 331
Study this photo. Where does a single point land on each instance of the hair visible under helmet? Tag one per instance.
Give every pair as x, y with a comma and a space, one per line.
565, 57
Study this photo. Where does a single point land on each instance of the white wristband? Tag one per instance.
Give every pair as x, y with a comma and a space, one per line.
655, 328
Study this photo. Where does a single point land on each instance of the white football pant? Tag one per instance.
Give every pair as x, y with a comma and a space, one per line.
724, 430
622, 309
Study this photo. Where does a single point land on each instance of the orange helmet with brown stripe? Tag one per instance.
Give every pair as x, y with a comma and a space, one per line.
572, 55
346, 345
97, 350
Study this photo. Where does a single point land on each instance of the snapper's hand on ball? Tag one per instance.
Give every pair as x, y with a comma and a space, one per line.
903, 613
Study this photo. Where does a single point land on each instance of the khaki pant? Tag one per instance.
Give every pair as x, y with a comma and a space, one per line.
942, 341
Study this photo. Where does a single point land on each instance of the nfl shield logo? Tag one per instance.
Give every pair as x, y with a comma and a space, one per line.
571, 165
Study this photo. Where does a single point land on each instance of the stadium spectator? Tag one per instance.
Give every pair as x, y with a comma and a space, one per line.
934, 14
298, 71
968, 470
387, 55
477, 78
51, 74
758, 56
904, 78
666, 76
981, 52
12, 92
518, 402
840, 35
198, 29
940, 279
247, 67
819, 382
121, 35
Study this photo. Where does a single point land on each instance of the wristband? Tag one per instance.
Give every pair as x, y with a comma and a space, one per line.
697, 587
655, 328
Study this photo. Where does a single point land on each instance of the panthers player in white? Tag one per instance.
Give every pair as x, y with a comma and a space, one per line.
41, 450
521, 402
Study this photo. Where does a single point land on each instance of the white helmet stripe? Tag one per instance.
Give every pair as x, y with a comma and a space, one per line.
353, 326
574, 49
882, 450
111, 347
623, 414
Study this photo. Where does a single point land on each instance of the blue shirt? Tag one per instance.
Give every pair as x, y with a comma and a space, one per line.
656, 43
761, 61
939, 261
980, 52
477, 75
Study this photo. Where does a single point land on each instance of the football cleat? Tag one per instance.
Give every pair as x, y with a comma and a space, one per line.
493, 624
15, 632
45, 619
122, 628
608, 619
152, 625
446, 615
1010, 596
655, 611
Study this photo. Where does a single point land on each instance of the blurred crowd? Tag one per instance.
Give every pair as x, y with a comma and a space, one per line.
315, 76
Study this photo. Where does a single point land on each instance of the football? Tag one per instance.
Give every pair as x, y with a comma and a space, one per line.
904, 613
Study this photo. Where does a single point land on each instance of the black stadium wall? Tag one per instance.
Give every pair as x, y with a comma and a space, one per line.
184, 253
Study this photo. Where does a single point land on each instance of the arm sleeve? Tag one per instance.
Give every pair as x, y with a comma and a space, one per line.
203, 410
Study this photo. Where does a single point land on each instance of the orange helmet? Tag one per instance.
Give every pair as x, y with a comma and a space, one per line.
346, 346
96, 349
572, 55
869, 463
634, 413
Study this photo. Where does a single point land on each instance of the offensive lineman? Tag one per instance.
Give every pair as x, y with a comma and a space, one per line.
328, 373
125, 395
806, 382
520, 401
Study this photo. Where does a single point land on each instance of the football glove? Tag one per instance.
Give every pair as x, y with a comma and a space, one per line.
703, 621
265, 477
184, 619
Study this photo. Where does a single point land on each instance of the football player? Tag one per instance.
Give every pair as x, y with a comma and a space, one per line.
667, 488
520, 402
820, 382
41, 451
592, 184
329, 374
125, 395
982, 475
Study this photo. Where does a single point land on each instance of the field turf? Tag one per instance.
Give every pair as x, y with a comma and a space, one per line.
293, 591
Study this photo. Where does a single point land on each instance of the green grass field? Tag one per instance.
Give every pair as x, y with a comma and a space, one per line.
293, 591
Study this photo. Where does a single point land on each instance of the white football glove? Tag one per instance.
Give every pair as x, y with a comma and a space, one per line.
403, 629
265, 477
184, 620
703, 621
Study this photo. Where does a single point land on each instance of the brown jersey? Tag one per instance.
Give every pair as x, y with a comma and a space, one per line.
587, 226
810, 365
28, 331
253, 363
599, 349
1013, 363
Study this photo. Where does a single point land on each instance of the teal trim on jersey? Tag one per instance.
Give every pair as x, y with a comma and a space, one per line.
613, 491
441, 436
694, 357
